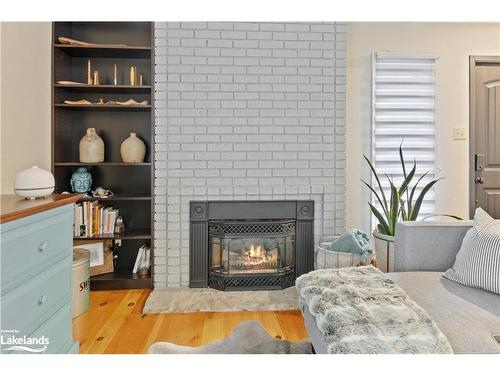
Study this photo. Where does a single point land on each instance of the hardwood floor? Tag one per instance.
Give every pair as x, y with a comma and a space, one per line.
114, 324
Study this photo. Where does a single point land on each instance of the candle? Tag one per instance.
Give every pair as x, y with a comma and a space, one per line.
115, 80
140, 80
89, 72
132, 76
96, 78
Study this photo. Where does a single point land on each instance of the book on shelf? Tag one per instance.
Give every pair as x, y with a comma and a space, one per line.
143, 259
93, 219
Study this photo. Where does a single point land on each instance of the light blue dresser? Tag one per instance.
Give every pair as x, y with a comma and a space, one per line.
36, 264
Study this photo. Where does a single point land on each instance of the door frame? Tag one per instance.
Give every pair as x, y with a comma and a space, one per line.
473, 61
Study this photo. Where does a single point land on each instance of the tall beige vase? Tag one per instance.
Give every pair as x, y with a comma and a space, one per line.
91, 147
133, 149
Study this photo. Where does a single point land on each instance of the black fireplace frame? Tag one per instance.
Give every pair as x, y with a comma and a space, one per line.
202, 213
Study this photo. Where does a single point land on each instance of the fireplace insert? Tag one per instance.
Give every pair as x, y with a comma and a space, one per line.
251, 254
250, 245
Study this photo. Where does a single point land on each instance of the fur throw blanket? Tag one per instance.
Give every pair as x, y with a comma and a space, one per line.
360, 310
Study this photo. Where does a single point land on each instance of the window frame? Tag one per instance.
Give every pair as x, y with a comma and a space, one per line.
436, 169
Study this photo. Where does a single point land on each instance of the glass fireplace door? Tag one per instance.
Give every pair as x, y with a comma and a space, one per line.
260, 249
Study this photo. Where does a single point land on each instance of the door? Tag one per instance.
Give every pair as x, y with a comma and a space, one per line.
485, 134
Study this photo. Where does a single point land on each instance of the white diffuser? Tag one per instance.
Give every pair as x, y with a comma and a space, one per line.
34, 182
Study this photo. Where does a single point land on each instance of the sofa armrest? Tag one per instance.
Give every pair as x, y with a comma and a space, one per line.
428, 245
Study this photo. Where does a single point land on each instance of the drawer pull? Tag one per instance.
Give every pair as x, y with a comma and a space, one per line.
42, 300
42, 247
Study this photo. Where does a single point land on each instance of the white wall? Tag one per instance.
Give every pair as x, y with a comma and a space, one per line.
452, 44
246, 111
25, 98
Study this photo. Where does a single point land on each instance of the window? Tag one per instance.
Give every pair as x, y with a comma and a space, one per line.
404, 107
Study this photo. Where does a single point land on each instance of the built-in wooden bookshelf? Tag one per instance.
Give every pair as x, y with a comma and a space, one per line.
132, 184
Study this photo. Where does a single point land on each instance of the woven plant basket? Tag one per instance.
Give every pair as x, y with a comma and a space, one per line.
326, 258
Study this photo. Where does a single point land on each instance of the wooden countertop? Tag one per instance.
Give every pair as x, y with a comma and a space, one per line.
13, 207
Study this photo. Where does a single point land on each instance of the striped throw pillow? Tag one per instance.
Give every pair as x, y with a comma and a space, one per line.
478, 261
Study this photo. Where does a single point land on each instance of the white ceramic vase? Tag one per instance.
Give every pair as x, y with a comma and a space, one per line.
91, 147
384, 251
133, 149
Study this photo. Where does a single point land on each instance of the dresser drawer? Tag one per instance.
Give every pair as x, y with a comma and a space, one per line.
30, 304
29, 248
58, 330
55, 331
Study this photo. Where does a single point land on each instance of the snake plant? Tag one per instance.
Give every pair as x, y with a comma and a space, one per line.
402, 204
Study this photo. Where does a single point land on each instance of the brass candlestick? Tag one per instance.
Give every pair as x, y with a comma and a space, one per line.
96, 78
89, 72
132, 76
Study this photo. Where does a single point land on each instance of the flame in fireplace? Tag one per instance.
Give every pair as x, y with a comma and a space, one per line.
256, 251
256, 254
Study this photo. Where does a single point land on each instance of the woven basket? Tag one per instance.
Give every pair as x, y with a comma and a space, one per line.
326, 258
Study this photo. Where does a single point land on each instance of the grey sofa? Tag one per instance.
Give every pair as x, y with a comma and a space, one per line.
469, 317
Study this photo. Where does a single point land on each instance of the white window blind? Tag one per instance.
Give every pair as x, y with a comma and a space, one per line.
403, 107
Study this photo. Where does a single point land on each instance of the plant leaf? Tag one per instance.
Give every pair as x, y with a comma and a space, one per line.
418, 203
406, 182
376, 195
378, 181
446, 215
401, 157
382, 222
404, 216
394, 207
410, 200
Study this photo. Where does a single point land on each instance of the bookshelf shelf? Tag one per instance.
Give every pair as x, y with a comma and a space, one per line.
103, 164
144, 89
117, 197
131, 52
133, 188
119, 278
115, 107
130, 234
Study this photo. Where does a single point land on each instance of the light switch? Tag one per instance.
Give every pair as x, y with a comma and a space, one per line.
459, 133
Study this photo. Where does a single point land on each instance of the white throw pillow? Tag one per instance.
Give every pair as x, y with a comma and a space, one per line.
478, 261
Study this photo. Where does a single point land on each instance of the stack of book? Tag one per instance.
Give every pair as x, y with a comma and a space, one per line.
93, 219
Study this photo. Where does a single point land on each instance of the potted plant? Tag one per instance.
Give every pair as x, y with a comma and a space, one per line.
402, 204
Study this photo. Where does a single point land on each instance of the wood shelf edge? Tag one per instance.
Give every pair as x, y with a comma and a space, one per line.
103, 47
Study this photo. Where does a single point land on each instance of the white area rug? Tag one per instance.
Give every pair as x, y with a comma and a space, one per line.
206, 299
248, 338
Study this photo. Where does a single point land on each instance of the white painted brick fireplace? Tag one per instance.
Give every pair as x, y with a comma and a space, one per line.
246, 111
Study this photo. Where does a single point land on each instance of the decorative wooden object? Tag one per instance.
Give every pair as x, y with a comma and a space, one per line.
132, 102
89, 73
70, 83
96, 80
77, 102
80, 43
132, 76
132, 184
